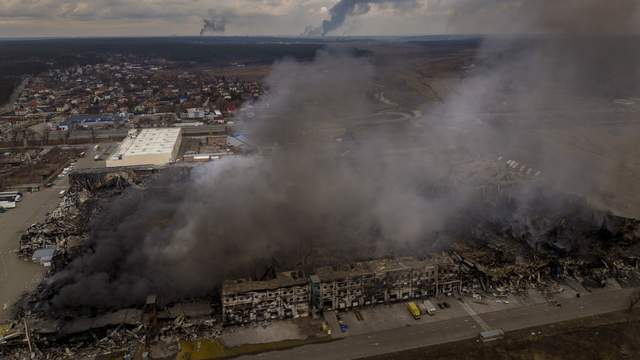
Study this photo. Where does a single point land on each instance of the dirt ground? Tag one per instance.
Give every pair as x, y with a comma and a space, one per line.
591, 338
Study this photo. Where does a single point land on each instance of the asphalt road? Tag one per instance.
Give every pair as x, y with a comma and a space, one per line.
456, 329
16, 275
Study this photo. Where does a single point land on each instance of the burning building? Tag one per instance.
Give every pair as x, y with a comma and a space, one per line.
286, 296
381, 281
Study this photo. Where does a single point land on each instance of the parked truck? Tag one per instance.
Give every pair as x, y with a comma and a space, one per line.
414, 310
428, 307
7, 204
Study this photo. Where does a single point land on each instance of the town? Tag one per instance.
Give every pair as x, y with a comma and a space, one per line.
65, 103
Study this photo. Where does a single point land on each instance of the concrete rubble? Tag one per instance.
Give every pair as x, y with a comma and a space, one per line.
124, 332
62, 228
66, 227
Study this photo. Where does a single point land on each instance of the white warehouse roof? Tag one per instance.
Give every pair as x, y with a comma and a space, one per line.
153, 141
157, 146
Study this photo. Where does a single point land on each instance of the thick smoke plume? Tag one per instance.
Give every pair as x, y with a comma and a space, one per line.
344, 9
536, 95
215, 23
334, 187
313, 200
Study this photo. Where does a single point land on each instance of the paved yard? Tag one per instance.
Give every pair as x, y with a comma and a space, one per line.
16, 275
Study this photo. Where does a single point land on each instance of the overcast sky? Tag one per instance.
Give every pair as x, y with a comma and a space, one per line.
22, 18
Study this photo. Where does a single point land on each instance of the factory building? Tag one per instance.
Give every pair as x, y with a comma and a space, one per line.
382, 281
155, 146
342, 287
285, 297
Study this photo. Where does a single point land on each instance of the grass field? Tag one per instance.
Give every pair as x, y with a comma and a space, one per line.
214, 349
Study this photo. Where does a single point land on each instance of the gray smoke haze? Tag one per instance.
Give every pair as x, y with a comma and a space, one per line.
312, 199
322, 197
560, 83
344, 9
215, 23
590, 17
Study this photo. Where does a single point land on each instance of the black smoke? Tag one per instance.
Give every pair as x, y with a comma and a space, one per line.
215, 23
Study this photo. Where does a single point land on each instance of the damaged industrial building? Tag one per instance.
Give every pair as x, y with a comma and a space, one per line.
286, 296
383, 281
340, 287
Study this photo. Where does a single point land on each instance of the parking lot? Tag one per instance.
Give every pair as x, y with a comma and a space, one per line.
469, 316
258, 334
386, 329
385, 317
17, 275
393, 316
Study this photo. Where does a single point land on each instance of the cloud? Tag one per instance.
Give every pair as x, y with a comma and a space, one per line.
288, 17
135, 9
72, 17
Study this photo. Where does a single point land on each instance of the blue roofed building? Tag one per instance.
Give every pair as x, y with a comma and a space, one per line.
92, 120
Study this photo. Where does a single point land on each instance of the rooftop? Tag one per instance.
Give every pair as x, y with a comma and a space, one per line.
283, 279
329, 273
44, 255
91, 118
149, 142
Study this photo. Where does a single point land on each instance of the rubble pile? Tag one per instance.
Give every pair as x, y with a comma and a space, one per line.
120, 340
63, 228
66, 227
519, 238
93, 180
537, 249
122, 333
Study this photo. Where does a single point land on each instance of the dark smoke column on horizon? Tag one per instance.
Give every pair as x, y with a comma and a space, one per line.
346, 8
214, 23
